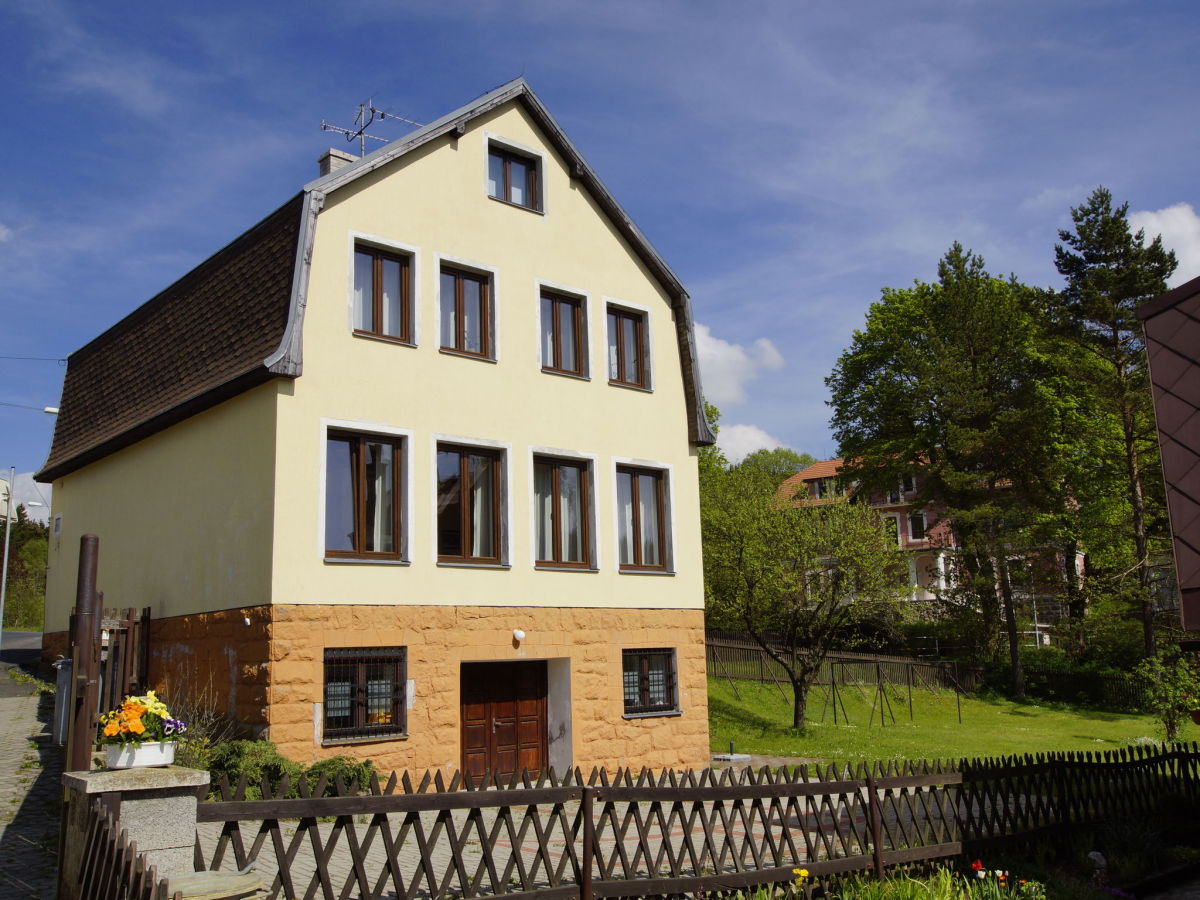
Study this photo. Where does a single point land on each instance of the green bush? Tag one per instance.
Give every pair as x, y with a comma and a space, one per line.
256, 760
348, 769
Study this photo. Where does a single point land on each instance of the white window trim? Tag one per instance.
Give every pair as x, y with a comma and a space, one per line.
650, 355
470, 265
506, 517
585, 306
414, 274
593, 507
360, 426
911, 535
668, 471
489, 138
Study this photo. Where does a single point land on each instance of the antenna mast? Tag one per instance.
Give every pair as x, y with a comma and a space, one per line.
367, 113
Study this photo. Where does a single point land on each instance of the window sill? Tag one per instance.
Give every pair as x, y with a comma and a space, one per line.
382, 338
631, 387
551, 567
364, 739
563, 374
462, 354
363, 561
623, 571
447, 564
532, 209
664, 714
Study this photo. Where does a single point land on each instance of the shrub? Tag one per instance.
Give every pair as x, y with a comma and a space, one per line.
1172, 688
348, 769
257, 760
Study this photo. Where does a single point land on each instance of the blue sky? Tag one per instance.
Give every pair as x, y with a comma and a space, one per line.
788, 159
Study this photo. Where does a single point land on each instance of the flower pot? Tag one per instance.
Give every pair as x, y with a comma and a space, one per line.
149, 753
1195, 714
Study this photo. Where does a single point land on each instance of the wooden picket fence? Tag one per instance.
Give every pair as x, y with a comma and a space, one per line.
112, 868
643, 833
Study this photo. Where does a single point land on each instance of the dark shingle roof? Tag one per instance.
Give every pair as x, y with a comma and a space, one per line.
203, 339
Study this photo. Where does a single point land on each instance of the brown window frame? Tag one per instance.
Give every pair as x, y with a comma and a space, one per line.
485, 313
585, 494
359, 482
532, 179
465, 451
643, 379
378, 255
557, 302
635, 497
645, 706
360, 658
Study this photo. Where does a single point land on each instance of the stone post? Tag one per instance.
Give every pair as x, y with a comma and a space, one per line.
156, 807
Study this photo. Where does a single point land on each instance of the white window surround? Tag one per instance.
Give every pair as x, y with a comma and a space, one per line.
668, 514
534, 153
414, 273
493, 275
585, 303
568, 455
649, 319
359, 426
506, 522
925, 522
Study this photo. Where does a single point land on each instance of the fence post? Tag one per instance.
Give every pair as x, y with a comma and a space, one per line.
86, 666
589, 843
874, 816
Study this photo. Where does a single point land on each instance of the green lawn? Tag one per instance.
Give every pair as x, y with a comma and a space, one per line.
760, 722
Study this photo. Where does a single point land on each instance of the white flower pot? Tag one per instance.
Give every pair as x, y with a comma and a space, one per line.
150, 753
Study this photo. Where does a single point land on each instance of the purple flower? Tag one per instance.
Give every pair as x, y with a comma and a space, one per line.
174, 726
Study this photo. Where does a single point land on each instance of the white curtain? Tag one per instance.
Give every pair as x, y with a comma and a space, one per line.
363, 278
483, 540
648, 508
625, 512
391, 297
543, 500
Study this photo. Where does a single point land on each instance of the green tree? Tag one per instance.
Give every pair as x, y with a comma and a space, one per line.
1172, 689
1110, 271
26, 597
796, 579
781, 462
951, 380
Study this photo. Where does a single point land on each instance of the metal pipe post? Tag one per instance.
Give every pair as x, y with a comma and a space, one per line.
8, 517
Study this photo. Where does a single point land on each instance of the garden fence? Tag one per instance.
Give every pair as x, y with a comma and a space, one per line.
112, 868
643, 833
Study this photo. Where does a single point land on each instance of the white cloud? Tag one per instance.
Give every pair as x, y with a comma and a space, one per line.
726, 367
6, 233
1179, 226
738, 441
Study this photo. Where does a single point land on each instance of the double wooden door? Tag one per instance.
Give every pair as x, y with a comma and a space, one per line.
504, 719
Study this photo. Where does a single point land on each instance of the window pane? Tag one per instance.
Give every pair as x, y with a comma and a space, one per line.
495, 176
631, 678
472, 315
339, 495
449, 504
381, 692
625, 517
448, 318
629, 337
570, 513
339, 712
916, 526
648, 509
567, 313
380, 504
613, 336
392, 321
364, 317
657, 681
483, 537
543, 503
547, 326
518, 173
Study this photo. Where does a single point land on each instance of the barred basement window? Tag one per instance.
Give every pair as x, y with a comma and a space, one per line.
365, 692
649, 679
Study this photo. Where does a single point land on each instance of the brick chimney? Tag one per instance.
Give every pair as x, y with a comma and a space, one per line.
332, 160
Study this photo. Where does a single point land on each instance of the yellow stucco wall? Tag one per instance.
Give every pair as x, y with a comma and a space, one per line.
183, 517
434, 203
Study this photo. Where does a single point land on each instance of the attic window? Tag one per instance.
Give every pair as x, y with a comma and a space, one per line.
513, 177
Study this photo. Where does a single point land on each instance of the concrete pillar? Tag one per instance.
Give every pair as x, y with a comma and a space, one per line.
155, 806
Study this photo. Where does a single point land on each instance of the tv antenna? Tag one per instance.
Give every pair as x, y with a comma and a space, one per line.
367, 114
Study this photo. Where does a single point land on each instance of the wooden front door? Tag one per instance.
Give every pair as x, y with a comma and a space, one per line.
504, 717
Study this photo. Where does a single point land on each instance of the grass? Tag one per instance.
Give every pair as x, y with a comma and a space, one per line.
760, 722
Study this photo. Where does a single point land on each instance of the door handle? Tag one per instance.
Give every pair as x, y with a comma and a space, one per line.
495, 722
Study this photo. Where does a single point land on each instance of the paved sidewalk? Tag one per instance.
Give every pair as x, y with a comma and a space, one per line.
30, 794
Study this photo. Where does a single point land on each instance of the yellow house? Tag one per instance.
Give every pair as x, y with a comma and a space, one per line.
408, 470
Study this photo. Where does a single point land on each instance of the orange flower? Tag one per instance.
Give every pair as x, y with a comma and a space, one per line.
136, 726
110, 729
